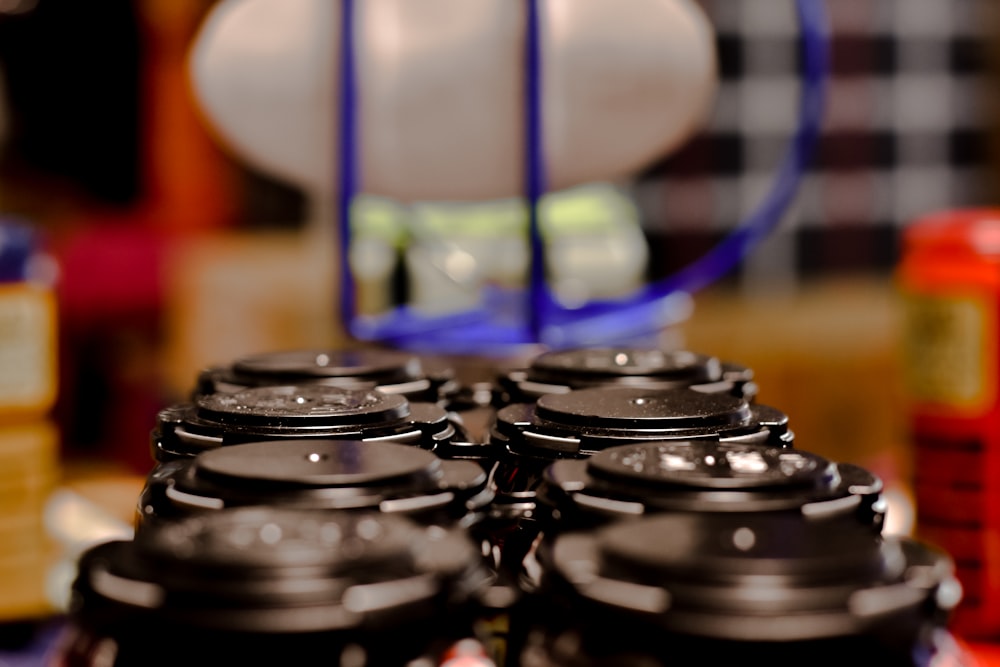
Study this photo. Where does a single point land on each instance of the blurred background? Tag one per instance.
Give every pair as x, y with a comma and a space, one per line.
167, 250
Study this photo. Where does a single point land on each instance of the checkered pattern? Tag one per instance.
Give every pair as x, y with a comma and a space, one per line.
906, 131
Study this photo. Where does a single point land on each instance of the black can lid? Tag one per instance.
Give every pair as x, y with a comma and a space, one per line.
378, 366
641, 408
707, 464
273, 539
318, 463
605, 363
267, 569
319, 473
712, 476
302, 405
767, 578
715, 547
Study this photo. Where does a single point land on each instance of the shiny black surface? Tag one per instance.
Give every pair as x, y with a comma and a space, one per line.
388, 370
753, 578
710, 476
262, 585
559, 371
319, 474
303, 411
581, 422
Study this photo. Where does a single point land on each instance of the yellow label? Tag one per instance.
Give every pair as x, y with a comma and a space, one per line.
948, 350
28, 372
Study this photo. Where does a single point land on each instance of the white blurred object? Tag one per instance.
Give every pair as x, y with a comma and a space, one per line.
440, 90
75, 523
900, 517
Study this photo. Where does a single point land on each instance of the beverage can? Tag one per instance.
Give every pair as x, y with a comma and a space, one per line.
948, 279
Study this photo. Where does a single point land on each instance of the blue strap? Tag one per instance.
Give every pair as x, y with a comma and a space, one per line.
348, 163
535, 172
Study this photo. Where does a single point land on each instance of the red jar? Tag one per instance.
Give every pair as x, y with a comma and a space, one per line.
949, 281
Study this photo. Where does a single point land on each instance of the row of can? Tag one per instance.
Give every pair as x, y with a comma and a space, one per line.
616, 506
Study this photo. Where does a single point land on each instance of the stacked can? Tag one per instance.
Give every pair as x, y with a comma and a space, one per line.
949, 280
529, 437
320, 462
264, 585
718, 553
653, 504
320, 429
626, 507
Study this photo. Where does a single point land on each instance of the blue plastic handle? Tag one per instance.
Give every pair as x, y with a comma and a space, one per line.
512, 319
